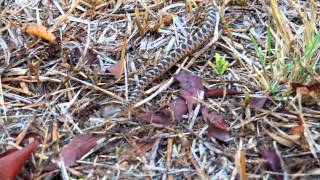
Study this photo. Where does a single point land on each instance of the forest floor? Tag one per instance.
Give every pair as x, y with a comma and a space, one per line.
245, 105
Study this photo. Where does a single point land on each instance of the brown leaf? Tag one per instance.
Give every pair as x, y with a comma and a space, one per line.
139, 149
271, 157
257, 102
151, 117
116, 69
307, 90
74, 150
11, 164
179, 108
217, 92
191, 86
217, 127
189, 98
90, 56
38, 30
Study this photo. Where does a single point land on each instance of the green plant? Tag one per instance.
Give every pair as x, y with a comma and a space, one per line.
220, 66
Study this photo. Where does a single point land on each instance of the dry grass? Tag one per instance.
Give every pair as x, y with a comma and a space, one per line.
60, 89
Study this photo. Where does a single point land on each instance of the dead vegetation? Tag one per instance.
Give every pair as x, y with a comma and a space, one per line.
246, 105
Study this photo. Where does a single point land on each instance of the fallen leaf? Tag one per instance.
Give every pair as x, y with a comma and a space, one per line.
179, 108
12, 163
218, 92
286, 141
139, 149
116, 69
257, 102
38, 30
189, 98
271, 157
307, 90
91, 57
191, 86
152, 117
217, 127
74, 150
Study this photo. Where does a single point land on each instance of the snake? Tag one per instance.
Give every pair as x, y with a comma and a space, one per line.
188, 47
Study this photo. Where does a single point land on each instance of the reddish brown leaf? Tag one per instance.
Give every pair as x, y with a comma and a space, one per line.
189, 98
179, 108
11, 164
7, 152
151, 117
295, 85
90, 55
271, 157
190, 85
310, 90
139, 149
217, 127
257, 102
315, 88
74, 150
116, 69
217, 92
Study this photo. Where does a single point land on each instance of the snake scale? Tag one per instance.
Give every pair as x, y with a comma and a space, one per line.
188, 47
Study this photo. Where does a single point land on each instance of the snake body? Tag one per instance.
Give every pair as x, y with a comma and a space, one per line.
188, 47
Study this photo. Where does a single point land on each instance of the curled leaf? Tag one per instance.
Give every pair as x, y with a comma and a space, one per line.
217, 127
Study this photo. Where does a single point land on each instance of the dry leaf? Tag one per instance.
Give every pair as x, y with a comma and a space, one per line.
12, 163
307, 90
271, 157
179, 108
257, 102
151, 117
191, 86
218, 92
217, 127
74, 150
139, 149
279, 139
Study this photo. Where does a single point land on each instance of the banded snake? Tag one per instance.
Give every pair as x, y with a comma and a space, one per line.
188, 47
